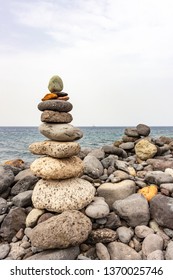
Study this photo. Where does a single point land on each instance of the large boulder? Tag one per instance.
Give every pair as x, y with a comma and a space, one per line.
70, 228
62, 195
52, 168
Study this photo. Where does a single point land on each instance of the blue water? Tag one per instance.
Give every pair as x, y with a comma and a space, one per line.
14, 141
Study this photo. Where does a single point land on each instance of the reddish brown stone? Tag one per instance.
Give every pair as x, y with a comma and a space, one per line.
44, 217
64, 98
16, 163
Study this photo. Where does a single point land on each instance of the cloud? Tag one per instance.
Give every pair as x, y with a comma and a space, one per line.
115, 58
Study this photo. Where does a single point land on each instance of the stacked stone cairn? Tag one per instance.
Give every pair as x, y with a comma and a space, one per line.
59, 190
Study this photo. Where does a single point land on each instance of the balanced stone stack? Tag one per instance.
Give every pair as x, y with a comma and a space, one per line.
59, 189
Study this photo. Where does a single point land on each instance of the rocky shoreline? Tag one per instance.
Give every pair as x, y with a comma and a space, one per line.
73, 203
125, 223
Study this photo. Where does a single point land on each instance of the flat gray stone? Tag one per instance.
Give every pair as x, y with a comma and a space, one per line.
55, 105
158, 177
57, 254
60, 132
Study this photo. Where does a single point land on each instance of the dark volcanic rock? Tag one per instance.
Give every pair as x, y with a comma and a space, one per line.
132, 132
57, 254
114, 151
6, 178
14, 221
143, 129
25, 184
161, 208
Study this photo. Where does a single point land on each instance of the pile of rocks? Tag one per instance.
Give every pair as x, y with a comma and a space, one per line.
60, 188
114, 202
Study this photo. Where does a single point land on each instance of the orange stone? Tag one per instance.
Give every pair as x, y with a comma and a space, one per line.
149, 191
49, 96
16, 163
65, 98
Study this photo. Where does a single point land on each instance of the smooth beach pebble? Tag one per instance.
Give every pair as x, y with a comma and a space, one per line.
55, 105
55, 84
98, 208
60, 132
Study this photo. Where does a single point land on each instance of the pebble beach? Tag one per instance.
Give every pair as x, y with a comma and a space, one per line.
71, 203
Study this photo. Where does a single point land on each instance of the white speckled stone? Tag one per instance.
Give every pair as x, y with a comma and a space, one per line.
52, 168
62, 195
55, 149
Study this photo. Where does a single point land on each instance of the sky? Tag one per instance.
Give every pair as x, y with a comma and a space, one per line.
115, 58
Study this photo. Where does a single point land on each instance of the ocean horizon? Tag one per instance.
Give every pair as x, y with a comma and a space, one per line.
15, 140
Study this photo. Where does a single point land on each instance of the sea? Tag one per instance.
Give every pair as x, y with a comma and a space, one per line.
14, 141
